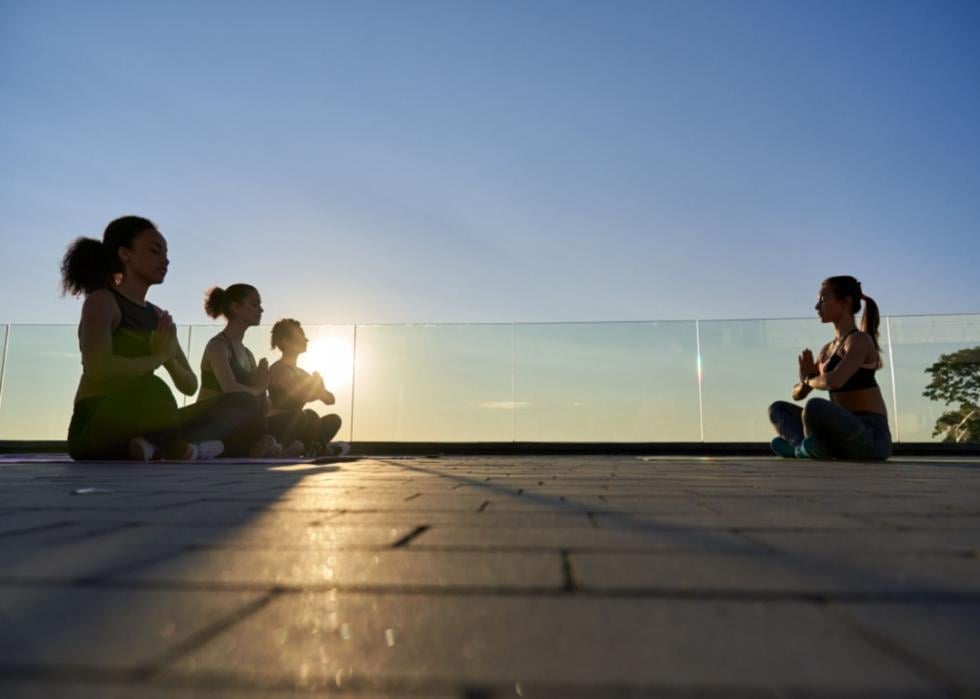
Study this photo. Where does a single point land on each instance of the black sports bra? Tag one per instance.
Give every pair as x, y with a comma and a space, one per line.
862, 378
243, 374
136, 325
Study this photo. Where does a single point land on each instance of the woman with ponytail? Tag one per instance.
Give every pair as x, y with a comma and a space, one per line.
229, 368
122, 410
853, 424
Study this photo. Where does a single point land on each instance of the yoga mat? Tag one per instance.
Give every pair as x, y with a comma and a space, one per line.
65, 459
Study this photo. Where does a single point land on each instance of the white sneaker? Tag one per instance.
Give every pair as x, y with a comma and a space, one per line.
209, 449
265, 448
141, 450
339, 448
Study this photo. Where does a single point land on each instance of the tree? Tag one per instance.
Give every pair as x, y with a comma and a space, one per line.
956, 379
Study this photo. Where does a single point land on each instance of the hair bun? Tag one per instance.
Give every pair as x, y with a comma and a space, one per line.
214, 301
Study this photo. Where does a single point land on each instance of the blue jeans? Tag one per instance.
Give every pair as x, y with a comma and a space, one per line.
841, 433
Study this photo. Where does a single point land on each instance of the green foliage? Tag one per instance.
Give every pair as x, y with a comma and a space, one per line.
956, 379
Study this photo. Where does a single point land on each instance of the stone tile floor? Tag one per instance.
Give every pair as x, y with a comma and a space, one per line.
490, 577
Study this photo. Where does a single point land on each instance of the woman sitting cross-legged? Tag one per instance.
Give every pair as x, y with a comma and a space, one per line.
122, 410
853, 424
291, 388
229, 368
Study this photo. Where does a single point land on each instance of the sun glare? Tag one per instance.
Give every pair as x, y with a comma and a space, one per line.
333, 357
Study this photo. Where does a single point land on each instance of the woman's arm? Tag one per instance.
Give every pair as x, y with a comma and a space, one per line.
857, 346
321, 392
297, 389
181, 373
219, 360
100, 315
807, 368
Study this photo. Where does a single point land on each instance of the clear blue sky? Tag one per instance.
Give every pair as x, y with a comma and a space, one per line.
499, 161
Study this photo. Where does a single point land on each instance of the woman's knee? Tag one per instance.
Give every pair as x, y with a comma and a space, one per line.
240, 402
815, 410
152, 388
778, 408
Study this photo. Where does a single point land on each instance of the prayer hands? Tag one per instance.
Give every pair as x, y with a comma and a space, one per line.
163, 340
260, 377
808, 367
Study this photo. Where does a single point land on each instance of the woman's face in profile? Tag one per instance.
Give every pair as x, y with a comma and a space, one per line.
147, 258
297, 340
829, 307
250, 309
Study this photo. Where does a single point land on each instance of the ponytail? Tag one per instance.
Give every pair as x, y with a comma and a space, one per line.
90, 265
870, 320
846, 286
214, 301
85, 267
217, 301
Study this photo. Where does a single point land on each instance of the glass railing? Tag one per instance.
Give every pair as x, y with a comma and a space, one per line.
675, 381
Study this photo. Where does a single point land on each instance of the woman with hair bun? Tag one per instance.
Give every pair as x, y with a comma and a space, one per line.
229, 367
291, 388
853, 424
122, 410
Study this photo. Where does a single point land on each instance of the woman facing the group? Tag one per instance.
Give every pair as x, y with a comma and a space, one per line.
853, 423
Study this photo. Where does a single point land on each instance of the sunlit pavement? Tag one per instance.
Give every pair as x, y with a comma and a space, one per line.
491, 577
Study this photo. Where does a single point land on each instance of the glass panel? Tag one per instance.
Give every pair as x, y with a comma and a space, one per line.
748, 364
917, 343
445, 383
606, 382
41, 375
42, 371
331, 352
3, 352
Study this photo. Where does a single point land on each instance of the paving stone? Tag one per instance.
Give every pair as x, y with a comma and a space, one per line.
801, 573
947, 636
84, 558
575, 539
52, 689
276, 535
743, 519
483, 520
873, 541
55, 627
392, 568
559, 639
933, 521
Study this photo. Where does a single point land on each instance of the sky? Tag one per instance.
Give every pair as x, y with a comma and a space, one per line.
451, 162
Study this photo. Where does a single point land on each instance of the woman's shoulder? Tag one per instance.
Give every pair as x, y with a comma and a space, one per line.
858, 340
100, 304
217, 343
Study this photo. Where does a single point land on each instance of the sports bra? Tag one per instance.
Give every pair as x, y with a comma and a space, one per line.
862, 378
243, 374
132, 337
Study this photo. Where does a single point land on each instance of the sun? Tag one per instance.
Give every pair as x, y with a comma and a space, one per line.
333, 357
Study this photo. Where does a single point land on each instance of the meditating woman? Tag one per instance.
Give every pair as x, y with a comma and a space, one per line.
229, 367
853, 424
291, 388
122, 410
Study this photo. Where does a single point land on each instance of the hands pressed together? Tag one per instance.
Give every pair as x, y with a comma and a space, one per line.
808, 367
163, 340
